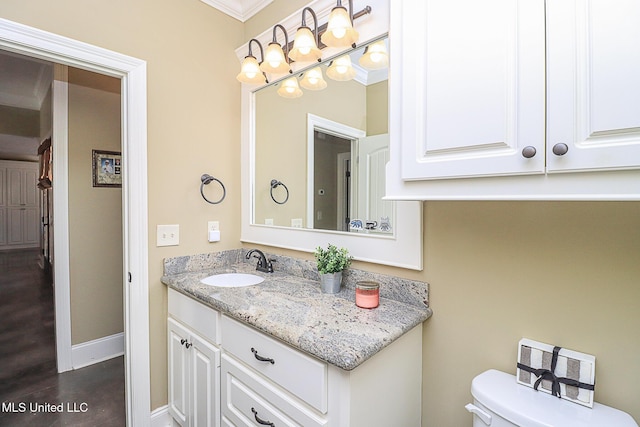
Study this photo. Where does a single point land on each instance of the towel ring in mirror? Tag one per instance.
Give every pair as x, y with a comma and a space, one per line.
274, 184
206, 180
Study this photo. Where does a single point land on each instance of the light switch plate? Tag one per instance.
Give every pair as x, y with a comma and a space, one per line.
168, 235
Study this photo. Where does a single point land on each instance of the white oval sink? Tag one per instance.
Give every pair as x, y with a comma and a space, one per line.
232, 280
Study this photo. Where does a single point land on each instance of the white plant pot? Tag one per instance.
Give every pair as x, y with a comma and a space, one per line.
330, 282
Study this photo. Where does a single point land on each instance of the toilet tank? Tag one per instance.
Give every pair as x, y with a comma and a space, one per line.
499, 401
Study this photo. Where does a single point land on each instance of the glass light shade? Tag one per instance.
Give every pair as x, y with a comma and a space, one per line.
250, 71
304, 46
375, 56
340, 32
290, 89
341, 69
274, 60
313, 79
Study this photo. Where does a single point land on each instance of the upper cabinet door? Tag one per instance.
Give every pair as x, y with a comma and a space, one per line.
593, 66
473, 88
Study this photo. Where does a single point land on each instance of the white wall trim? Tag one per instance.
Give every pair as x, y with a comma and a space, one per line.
40, 44
61, 277
98, 350
160, 417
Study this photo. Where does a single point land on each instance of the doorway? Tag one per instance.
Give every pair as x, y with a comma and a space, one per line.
31, 42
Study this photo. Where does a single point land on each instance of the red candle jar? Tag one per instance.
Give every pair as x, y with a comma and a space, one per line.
367, 294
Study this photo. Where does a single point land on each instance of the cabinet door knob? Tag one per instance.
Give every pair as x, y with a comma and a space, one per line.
528, 152
182, 341
560, 149
259, 421
188, 344
260, 358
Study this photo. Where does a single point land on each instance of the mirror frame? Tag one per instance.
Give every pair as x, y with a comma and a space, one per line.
403, 249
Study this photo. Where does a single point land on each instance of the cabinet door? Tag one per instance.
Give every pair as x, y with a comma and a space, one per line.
472, 85
3, 192
178, 363
205, 383
593, 67
14, 187
30, 226
3, 226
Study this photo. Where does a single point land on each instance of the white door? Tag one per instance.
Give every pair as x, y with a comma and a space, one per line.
593, 65
473, 88
373, 155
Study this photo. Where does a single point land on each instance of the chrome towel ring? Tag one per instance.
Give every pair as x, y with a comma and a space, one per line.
206, 180
274, 184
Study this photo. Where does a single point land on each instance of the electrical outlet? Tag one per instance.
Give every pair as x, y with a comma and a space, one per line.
213, 226
296, 222
268, 221
168, 235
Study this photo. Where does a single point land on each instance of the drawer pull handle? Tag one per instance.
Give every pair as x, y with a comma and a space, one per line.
259, 421
260, 358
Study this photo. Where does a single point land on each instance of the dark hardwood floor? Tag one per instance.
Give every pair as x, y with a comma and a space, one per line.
32, 393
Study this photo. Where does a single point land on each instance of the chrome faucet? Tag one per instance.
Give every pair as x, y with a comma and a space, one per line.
264, 265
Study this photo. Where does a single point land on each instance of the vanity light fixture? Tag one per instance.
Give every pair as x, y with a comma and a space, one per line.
290, 88
341, 69
250, 70
375, 56
313, 79
275, 60
305, 44
340, 31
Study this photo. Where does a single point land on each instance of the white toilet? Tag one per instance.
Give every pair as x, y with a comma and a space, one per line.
499, 401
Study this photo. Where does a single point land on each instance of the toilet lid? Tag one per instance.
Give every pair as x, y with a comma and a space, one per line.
523, 406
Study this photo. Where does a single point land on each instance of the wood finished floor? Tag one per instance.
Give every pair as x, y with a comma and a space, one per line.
30, 387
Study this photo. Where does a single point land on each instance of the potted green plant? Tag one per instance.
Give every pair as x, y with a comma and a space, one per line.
331, 262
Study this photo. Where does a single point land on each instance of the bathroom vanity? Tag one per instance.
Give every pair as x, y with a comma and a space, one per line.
282, 353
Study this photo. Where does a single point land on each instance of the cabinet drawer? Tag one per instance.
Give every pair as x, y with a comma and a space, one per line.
302, 375
199, 317
248, 398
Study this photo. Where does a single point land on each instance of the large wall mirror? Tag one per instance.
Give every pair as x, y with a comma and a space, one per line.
314, 167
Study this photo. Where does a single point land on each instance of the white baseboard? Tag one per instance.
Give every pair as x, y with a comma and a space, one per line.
90, 352
160, 417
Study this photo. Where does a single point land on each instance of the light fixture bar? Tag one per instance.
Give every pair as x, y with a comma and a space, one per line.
322, 28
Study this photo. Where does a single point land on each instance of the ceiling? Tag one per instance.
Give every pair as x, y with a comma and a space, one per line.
24, 81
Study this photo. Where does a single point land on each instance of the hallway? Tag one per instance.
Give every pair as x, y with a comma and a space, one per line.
31, 391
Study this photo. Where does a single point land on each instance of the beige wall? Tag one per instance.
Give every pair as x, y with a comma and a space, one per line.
565, 273
378, 108
95, 213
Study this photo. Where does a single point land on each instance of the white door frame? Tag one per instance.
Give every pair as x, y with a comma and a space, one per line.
32, 42
333, 128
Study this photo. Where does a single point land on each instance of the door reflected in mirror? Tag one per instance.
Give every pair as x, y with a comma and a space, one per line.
329, 148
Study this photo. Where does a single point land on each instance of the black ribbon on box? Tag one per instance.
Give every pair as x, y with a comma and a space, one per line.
546, 374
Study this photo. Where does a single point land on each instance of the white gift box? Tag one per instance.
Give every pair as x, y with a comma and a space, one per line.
572, 377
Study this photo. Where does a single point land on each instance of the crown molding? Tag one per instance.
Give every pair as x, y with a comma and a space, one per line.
239, 9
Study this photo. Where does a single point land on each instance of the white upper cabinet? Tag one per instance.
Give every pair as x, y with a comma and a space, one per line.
593, 86
490, 99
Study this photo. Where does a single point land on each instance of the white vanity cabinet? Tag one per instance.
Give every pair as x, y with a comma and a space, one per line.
194, 362
515, 99
224, 372
265, 382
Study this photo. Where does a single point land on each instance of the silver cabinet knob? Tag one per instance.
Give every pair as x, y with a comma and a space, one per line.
560, 149
528, 152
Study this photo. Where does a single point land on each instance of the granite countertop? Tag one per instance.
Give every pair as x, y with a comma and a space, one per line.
290, 306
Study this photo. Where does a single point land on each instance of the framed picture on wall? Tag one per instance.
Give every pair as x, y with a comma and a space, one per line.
107, 168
